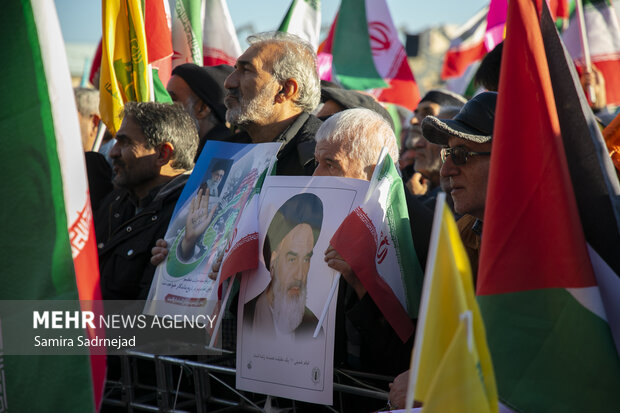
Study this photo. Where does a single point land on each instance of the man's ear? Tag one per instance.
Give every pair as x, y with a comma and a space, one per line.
272, 261
289, 91
166, 150
202, 110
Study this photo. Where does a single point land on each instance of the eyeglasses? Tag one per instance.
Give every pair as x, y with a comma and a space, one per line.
459, 154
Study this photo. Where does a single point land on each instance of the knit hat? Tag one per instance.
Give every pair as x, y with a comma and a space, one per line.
207, 82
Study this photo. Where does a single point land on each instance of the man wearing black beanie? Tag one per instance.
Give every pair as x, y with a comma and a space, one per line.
200, 90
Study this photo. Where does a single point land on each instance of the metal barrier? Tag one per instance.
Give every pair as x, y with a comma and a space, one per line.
153, 383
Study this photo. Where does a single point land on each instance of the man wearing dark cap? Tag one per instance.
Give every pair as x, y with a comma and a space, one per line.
200, 90
425, 182
280, 311
466, 142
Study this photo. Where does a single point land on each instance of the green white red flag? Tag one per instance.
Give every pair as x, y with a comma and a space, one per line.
187, 19
219, 37
603, 34
375, 240
367, 53
48, 250
547, 325
303, 19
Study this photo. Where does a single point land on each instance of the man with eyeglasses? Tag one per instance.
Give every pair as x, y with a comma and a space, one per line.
466, 140
466, 151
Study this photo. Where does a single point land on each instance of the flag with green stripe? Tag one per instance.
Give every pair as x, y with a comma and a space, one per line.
48, 249
548, 327
375, 240
303, 19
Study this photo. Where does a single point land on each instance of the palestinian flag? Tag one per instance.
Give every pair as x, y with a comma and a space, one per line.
603, 33
367, 53
303, 19
547, 325
48, 249
375, 240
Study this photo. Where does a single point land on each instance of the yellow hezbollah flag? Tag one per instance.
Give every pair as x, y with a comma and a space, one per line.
125, 75
451, 368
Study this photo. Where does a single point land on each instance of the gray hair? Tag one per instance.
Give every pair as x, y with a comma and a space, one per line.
295, 59
361, 133
86, 100
163, 122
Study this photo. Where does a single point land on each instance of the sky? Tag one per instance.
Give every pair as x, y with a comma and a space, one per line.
80, 20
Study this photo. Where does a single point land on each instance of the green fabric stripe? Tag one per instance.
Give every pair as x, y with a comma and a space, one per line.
550, 353
287, 19
159, 90
398, 220
353, 62
34, 250
36, 256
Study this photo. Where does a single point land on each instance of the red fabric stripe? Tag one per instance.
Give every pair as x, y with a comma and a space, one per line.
403, 89
611, 72
355, 243
533, 237
86, 264
458, 60
244, 256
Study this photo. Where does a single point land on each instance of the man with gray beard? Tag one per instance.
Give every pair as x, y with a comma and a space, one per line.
280, 311
271, 93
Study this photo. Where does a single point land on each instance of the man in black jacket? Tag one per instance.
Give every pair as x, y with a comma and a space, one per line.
154, 151
271, 93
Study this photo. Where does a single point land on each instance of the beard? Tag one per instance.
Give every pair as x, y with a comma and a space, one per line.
288, 311
247, 111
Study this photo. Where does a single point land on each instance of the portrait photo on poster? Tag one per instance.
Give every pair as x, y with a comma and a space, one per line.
281, 301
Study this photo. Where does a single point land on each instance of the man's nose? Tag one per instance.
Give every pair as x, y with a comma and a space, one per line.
115, 152
231, 81
448, 168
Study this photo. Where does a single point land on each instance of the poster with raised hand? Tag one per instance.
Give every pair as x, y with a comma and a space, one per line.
202, 224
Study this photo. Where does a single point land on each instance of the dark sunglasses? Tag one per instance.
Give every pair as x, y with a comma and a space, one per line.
459, 154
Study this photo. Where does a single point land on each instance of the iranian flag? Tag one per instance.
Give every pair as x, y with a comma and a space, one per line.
547, 323
603, 34
219, 38
187, 31
48, 250
375, 240
368, 55
157, 26
242, 250
303, 19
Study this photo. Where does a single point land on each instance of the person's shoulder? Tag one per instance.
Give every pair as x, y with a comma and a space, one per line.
311, 125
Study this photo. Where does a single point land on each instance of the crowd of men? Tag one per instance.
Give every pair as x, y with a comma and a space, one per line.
273, 94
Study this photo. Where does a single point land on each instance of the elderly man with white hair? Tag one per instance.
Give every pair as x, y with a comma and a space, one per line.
348, 145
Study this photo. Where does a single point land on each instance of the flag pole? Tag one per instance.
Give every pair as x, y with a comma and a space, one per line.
222, 306
99, 138
585, 48
426, 289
